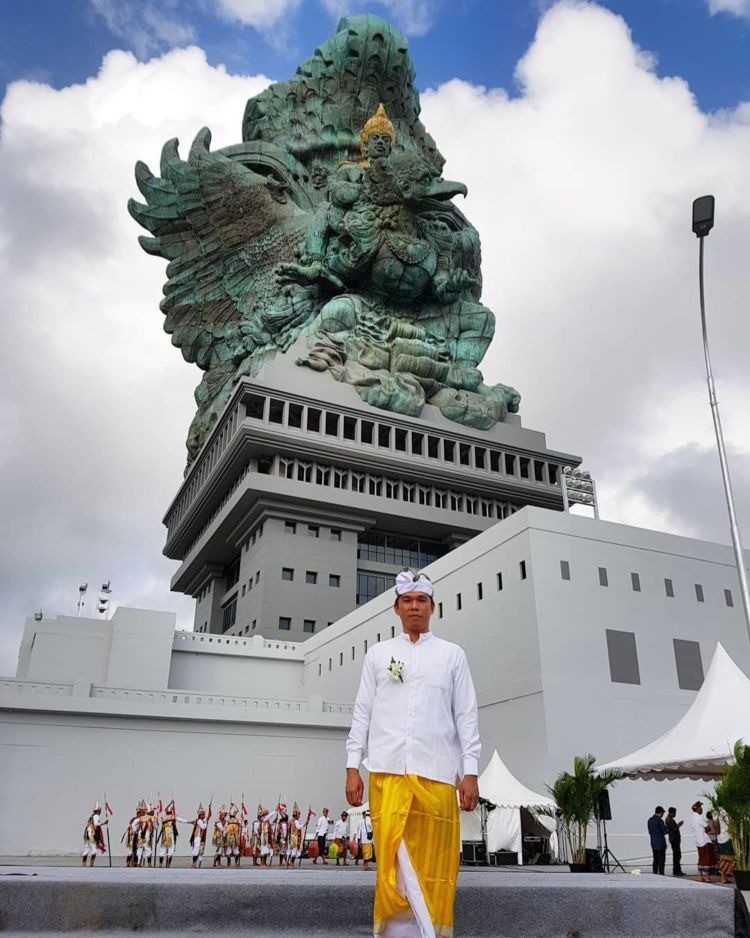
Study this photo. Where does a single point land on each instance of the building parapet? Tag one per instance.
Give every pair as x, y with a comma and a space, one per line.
256, 646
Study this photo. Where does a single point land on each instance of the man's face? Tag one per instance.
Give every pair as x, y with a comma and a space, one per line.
344, 815
378, 146
414, 611
698, 809
325, 812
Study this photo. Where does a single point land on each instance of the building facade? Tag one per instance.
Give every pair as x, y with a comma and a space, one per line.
305, 502
582, 636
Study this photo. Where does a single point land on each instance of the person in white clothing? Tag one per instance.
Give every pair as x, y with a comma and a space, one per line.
703, 843
93, 837
198, 837
341, 836
415, 718
321, 833
364, 838
296, 833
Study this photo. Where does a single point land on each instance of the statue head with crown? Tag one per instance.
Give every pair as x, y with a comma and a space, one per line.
378, 136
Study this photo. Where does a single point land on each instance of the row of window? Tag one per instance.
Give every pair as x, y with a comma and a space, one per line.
399, 439
365, 645
311, 577
408, 552
308, 625
203, 466
368, 483
312, 530
250, 541
635, 583
622, 652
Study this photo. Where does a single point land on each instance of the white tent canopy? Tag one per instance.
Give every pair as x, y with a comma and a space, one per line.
498, 785
701, 743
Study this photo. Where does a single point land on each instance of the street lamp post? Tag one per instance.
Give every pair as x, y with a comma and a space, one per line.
703, 222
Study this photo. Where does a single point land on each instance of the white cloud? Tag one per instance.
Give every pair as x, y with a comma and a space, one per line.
94, 402
145, 26
739, 8
581, 188
260, 14
413, 17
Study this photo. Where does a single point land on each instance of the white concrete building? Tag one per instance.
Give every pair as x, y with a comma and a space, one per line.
582, 635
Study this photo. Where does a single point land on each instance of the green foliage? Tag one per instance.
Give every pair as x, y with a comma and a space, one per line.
733, 797
577, 796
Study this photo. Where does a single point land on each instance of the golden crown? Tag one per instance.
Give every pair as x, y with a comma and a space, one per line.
379, 123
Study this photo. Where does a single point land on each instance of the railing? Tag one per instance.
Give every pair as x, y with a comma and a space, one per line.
207, 642
180, 698
36, 687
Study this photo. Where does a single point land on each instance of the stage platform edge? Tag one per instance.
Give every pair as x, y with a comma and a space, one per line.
274, 903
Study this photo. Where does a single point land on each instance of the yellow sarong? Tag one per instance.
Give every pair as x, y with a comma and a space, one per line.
424, 814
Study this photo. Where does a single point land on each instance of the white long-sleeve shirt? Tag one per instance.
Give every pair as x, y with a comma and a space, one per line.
321, 828
340, 830
698, 826
423, 724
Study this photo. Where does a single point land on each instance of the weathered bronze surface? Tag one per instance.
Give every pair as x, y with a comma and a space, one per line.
331, 220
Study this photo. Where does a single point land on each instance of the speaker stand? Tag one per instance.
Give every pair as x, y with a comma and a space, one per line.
609, 860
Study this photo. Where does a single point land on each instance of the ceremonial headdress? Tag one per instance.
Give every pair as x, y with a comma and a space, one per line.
97, 808
201, 809
261, 811
170, 809
142, 807
410, 582
222, 810
295, 810
379, 123
233, 809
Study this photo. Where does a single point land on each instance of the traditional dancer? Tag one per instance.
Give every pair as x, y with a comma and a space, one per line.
416, 717
93, 836
220, 829
232, 836
294, 842
168, 833
198, 837
145, 836
281, 834
131, 835
266, 835
255, 836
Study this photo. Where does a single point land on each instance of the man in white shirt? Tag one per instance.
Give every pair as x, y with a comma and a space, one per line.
416, 718
321, 832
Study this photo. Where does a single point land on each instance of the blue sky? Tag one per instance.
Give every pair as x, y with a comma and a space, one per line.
62, 42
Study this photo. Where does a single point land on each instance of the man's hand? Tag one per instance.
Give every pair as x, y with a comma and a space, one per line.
468, 792
355, 787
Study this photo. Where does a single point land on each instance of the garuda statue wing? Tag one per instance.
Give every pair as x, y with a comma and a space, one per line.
223, 228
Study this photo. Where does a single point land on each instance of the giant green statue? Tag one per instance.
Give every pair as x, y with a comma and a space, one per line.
330, 221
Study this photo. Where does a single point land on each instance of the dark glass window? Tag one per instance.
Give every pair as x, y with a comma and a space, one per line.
699, 593
522, 569
370, 585
480, 591
603, 579
635, 581
311, 577
229, 615
564, 570
669, 588
287, 573
365, 432
285, 623
334, 579
687, 656
276, 411
313, 420
308, 625
728, 598
499, 581
295, 416
623, 657
255, 404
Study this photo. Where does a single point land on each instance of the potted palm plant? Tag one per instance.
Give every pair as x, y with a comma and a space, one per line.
733, 797
577, 797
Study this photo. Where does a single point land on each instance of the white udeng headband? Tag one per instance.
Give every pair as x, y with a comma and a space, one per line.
409, 582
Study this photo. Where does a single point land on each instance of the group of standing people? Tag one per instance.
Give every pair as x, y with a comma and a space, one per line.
712, 840
361, 844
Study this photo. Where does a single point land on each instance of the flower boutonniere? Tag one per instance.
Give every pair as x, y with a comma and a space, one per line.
394, 669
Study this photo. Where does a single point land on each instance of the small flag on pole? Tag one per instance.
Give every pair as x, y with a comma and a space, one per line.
108, 809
